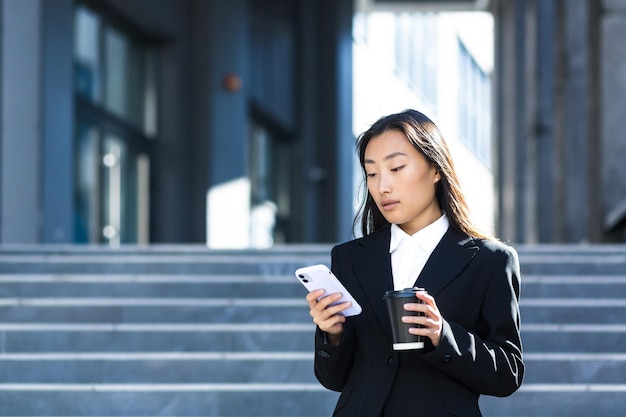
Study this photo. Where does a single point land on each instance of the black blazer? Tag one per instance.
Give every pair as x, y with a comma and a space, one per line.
476, 286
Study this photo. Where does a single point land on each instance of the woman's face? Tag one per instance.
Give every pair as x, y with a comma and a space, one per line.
401, 181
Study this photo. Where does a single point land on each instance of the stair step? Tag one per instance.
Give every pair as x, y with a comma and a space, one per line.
559, 400
570, 260
20, 337
255, 285
574, 338
219, 400
262, 367
84, 337
563, 400
258, 310
159, 367
584, 286
156, 310
586, 368
572, 310
172, 289
260, 264
188, 331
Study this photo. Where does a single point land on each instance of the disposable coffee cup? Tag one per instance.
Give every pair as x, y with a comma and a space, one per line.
395, 300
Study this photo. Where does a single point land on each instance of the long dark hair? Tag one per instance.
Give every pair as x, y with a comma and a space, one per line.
425, 136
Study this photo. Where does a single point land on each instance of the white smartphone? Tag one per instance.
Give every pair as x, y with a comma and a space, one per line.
319, 276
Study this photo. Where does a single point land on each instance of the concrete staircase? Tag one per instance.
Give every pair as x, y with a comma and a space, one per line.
574, 334
184, 331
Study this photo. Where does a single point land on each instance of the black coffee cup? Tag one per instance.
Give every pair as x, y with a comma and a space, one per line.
395, 300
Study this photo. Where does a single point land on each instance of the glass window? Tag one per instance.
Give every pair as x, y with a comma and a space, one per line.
416, 56
115, 71
87, 75
474, 105
87, 166
116, 121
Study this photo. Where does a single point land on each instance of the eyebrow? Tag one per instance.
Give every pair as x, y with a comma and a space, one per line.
390, 156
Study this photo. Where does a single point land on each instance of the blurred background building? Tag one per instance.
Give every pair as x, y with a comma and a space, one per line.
560, 77
197, 121
170, 121
440, 63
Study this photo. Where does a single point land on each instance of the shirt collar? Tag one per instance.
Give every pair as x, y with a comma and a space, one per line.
427, 238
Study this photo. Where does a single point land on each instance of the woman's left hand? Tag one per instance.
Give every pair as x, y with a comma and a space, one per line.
431, 321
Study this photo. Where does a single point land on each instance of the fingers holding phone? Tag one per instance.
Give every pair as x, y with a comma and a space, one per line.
325, 306
329, 301
319, 277
326, 314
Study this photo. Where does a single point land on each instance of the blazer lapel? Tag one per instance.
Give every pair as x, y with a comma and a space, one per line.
373, 271
373, 267
449, 258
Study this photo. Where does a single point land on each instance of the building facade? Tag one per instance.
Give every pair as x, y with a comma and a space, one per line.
560, 81
439, 63
175, 121
230, 123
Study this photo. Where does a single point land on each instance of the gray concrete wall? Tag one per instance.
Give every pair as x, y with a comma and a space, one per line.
560, 82
57, 132
612, 135
574, 99
20, 130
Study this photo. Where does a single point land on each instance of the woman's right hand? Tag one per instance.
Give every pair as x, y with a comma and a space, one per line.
327, 317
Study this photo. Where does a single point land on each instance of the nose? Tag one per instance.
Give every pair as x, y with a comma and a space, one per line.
384, 184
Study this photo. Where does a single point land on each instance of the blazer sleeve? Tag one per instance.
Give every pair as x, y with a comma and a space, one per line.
333, 364
488, 359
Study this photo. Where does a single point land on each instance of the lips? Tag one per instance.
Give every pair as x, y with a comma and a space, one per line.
389, 204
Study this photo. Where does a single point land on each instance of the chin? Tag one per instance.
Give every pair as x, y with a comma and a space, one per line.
395, 221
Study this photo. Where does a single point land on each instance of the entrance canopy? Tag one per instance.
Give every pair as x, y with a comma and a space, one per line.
414, 5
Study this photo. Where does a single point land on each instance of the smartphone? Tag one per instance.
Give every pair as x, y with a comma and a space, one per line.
319, 276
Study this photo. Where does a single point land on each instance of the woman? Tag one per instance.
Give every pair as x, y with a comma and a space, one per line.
418, 232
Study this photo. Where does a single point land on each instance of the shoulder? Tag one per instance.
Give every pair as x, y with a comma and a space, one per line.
486, 247
496, 247
378, 237
499, 252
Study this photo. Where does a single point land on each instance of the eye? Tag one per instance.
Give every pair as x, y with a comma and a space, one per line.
396, 169
370, 174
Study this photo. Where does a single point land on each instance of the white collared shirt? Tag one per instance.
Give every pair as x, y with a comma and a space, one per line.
410, 253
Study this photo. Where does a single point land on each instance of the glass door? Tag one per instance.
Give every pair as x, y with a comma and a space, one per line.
269, 164
113, 161
112, 189
116, 107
